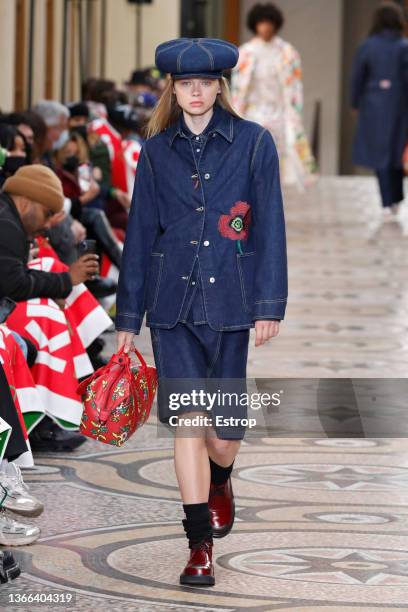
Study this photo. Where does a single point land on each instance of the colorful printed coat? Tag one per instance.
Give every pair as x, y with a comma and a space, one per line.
267, 88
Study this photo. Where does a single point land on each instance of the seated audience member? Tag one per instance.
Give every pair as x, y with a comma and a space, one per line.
143, 93
101, 91
15, 376
102, 94
19, 500
76, 175
34, 129
140, 88
79, 122
55, 115
67, 234
28, 201
13, 151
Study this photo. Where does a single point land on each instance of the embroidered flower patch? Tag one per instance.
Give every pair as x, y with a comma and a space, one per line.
235, 226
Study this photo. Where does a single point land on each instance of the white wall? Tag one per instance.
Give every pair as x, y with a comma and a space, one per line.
7, 52
160, 22
38, 91
314, 27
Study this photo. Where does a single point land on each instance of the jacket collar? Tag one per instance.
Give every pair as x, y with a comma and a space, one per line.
222, 122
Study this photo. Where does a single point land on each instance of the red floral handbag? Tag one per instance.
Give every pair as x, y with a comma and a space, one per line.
117, 398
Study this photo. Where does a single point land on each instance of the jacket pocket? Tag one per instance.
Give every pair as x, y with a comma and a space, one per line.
153, 280
246, 271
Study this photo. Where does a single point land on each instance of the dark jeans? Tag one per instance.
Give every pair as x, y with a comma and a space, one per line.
63, 241
390, 181
99, 228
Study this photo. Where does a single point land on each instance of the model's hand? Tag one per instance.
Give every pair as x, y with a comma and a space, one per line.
124, 339
265, 330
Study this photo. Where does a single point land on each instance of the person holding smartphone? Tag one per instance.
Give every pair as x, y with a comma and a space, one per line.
205, 257
29, 201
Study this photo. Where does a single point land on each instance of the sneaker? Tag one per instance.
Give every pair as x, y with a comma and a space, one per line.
19, 498
13, 533
9, 567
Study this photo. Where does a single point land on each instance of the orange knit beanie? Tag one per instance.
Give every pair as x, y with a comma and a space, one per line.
37, 183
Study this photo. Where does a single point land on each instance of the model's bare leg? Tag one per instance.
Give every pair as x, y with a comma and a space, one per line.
191, 463
222, 452
193, 475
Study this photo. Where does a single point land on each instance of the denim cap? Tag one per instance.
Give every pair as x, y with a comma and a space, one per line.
188, 57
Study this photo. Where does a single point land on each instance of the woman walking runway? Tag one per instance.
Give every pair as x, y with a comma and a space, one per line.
205, 258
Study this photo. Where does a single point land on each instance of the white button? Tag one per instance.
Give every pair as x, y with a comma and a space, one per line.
207, 176
184, 277
200, 208
206, 242
198, 150
197, 138
212, 279
193, 282
214, 135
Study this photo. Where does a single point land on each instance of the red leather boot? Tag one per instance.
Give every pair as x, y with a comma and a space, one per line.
221, 504
199, 569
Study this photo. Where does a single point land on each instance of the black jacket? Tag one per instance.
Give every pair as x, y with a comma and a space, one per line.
17, 281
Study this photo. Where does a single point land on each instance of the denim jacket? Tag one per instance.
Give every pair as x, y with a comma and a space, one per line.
222, 209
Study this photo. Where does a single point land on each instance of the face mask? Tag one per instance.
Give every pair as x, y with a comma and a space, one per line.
62, 139
13, 163
71, 163
81, 130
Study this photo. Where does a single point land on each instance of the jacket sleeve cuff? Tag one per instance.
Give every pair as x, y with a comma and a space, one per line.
128, 322
269, 309
66, 284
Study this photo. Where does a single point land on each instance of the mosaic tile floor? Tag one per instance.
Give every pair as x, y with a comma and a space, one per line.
322, 523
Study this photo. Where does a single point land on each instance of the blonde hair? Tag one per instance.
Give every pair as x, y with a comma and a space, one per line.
167, 110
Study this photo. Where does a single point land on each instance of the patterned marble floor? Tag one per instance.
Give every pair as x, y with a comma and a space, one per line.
322, 523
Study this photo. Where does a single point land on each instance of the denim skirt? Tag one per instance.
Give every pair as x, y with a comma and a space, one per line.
190, 358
